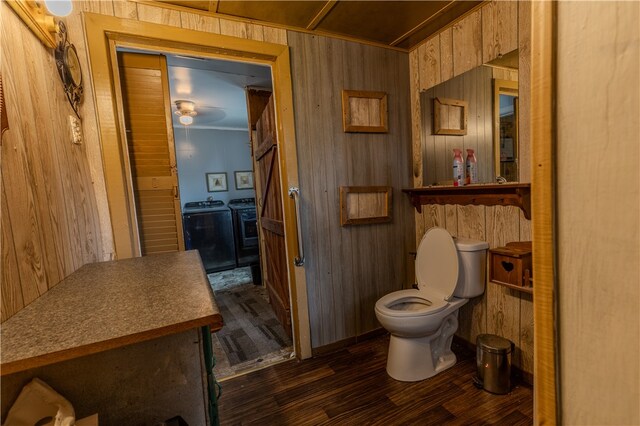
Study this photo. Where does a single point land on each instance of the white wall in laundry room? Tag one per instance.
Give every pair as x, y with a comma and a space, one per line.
202, 151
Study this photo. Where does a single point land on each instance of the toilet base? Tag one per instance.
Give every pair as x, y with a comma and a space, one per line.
418, 358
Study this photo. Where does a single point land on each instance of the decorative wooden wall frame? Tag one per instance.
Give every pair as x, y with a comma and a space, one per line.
362, 205
39, 21
450, 116
364, 112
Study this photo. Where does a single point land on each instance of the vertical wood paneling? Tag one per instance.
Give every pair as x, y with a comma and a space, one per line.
467, 46
597, 230
50, 217
194, 21
12, 300
342, 296
471, 224
499, 29
18, 184
158, 15
416, 130
349, 268
429, 69
275, 35
304, 73
377, 274
524, 94
446, 55
526, 332
91, 148
103, 7
359, 172
61, 256
503, 304
495, 28
125, 9
241, 30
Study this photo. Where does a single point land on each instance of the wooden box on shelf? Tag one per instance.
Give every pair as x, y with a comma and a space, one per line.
511, 266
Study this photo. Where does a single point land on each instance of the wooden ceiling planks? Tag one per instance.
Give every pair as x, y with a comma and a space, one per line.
378, 21
397, 24
290, 13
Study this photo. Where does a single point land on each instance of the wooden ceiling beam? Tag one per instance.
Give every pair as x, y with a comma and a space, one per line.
322, 14
421, 25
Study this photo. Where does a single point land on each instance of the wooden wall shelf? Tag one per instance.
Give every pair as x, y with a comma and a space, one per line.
506, 194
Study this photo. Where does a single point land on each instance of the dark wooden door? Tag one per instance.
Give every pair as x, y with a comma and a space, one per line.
265, 150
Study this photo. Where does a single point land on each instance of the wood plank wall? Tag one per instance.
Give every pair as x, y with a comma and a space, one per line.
55, 212
496, 28
598, 220
349, 268
50, 219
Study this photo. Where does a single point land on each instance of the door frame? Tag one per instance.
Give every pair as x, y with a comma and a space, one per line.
546, 389
103, 35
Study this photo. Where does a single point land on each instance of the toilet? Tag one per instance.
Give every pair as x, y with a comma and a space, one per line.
422, 322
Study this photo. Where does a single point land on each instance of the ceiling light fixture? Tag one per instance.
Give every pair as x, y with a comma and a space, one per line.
59, 7
186, 120
186, 111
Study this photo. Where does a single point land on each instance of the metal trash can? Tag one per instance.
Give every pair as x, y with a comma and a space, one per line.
493, 359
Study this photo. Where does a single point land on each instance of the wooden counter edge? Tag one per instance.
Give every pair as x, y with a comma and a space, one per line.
214, 321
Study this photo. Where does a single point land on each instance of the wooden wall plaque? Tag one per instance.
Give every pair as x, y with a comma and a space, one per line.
364, 112
362, 205
450, 116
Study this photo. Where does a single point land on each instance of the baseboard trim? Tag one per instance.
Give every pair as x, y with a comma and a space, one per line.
341, 344
526, 377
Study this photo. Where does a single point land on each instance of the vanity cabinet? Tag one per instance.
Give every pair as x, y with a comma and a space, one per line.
128, 339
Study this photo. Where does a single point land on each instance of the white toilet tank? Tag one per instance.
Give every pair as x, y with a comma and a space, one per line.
472, 257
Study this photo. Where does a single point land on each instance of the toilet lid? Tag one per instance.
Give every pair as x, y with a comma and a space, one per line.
437, 263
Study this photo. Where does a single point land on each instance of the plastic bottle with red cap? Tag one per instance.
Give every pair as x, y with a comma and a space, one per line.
458, 168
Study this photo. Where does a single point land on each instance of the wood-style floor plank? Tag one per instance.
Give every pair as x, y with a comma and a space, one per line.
352, 387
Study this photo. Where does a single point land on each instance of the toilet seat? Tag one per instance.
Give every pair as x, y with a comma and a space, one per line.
411, 303
437, 263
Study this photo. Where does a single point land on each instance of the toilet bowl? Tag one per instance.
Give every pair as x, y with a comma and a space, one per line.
422, 322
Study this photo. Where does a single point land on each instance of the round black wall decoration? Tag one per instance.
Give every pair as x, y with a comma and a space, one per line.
68, 65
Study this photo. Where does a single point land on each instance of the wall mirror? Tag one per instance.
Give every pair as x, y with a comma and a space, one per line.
491, 92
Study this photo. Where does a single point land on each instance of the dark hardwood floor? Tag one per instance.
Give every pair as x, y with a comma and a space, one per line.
352, 387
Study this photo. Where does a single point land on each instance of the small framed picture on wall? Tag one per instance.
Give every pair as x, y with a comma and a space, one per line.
217, 182
244, 180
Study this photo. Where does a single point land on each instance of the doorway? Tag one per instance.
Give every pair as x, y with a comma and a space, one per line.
187, 117
158, 38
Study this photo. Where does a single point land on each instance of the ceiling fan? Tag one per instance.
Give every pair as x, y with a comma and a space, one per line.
186, 110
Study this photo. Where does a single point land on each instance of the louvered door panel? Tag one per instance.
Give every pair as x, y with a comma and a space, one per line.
151, 151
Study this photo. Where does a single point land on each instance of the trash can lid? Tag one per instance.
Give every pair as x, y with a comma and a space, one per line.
493, 343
